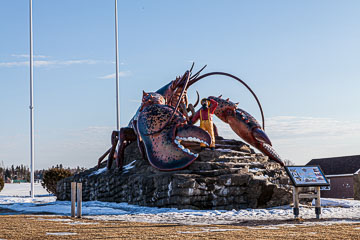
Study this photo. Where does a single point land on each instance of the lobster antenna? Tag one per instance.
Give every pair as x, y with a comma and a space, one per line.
197, 74
192, 66
198, 98
236, 78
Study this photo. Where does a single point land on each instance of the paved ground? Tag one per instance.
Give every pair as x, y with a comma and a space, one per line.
58, 227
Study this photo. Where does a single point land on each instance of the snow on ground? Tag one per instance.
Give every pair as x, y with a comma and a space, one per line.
61, 233
22, 190
15, 197
345, 203
20, 193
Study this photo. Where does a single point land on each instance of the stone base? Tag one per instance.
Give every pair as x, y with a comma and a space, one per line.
230, 177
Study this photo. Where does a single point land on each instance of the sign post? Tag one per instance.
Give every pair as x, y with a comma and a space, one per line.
73, 198
79, 199
117, 70
76, 199
32, 150
296, 201
306, 176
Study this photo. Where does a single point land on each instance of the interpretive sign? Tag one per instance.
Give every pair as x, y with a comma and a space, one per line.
302, 176
306, 176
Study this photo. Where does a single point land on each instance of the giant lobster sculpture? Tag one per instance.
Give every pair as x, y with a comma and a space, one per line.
161, 125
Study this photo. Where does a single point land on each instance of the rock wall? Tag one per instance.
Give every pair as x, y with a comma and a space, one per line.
230, 177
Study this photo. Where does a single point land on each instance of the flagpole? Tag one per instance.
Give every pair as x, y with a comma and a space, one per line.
32, 155
117, 70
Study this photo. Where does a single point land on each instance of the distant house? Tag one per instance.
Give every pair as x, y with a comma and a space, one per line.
344, 176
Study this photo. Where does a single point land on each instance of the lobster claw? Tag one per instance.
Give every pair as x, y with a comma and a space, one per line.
261, 136
164, 149
264, 145
246, 127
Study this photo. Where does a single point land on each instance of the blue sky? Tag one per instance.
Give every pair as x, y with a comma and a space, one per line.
300, 57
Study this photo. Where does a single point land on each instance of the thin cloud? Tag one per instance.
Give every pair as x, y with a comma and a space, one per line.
42, 63
113, 75
13, 64
290, 126
27, 56
304, 138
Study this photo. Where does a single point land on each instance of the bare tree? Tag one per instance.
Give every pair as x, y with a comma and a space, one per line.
288, 162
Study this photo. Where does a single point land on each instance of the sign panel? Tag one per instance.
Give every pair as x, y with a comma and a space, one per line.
302, 176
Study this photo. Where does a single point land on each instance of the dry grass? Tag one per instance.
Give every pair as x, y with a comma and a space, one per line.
37, 227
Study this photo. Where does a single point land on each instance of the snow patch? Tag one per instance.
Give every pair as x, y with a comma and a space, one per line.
264, 228
129, 166
61, 233
260, 177
333, 202
55, 219
82, 223
211, 229
99, 171
170, 189
254, 170
228, 182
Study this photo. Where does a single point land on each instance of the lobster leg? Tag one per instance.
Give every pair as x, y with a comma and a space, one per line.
102, 157
127, 136
184, 111
114, 142
111, 151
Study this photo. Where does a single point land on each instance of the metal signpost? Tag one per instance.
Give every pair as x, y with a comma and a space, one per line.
117, 71
76, 199
306, 176
32, 154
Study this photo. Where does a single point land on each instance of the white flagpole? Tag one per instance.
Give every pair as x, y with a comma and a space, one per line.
117, 70
32, 155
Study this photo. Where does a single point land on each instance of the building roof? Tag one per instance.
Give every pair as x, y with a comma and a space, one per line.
338, 165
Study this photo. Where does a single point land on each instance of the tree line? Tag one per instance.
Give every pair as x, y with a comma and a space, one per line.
22, 172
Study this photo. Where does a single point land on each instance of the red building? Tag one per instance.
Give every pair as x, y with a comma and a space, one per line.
343, 174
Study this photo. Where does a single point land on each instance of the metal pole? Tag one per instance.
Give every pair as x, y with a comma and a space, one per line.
73, 198
318, 203
32, 155
79, 199
117, 70
296, 201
